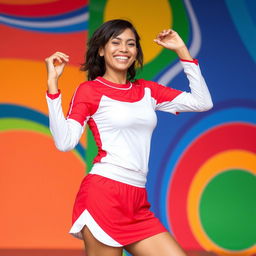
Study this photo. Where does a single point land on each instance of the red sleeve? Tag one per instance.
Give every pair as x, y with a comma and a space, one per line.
53, 96
195, 61
80, 107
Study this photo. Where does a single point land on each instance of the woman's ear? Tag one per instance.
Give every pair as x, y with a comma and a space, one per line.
101, 52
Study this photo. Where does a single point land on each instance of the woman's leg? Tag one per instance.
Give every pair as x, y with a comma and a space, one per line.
162, 244
93, 247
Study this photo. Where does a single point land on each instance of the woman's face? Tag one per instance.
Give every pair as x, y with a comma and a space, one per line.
120, 52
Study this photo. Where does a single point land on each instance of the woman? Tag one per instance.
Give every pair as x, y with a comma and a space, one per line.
111, 211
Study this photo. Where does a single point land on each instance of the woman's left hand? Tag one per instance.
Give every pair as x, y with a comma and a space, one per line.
170, 39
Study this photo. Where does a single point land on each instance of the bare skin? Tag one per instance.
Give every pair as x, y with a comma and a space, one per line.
162, 244
93, 247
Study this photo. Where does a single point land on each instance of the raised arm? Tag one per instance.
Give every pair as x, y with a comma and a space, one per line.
66, 132
199, 99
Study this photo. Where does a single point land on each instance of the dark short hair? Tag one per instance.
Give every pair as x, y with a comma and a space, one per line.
94, 63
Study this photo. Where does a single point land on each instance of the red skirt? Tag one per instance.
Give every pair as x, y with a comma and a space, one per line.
116, 213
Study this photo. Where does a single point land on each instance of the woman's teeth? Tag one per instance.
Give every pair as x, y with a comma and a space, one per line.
121, 57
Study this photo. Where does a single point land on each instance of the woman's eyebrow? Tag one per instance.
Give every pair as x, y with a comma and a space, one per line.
130, 39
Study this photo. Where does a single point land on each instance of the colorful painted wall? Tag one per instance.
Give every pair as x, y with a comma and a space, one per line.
202, 170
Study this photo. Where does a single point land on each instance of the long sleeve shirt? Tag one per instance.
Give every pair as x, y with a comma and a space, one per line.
122, 118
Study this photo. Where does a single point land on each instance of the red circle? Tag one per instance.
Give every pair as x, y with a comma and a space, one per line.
218, 139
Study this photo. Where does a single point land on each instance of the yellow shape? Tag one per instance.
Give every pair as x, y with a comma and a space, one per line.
230, 159
149, 18
26, 2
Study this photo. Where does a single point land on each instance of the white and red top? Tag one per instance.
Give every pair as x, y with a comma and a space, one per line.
122, 118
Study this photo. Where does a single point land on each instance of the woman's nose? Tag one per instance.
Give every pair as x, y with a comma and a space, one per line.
123, 47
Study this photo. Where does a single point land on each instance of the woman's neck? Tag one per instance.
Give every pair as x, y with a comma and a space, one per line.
114, 77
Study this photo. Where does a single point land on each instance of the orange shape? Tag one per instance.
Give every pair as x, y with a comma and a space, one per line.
25, 83
38, 186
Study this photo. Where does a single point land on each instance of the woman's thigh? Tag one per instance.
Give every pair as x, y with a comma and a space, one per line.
93, 247
162, 244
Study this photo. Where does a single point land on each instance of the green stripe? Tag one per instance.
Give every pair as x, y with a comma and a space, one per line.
22, 124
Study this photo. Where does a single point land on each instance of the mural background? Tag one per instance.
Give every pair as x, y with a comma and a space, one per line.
202, 169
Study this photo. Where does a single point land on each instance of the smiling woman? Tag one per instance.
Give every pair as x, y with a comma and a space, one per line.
119, 54
111, 210
113, 44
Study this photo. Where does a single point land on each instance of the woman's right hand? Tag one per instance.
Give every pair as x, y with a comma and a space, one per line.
55, 65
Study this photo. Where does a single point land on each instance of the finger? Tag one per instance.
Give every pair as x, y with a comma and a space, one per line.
169, 31
174, 33
57, 59
162, 32
65, 59
56, 56
166, 32
159, 42
52, 60
62, 55
59, 56
162, 35
159, 36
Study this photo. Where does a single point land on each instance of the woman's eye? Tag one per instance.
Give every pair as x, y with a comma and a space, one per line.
114, 42
132, 44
